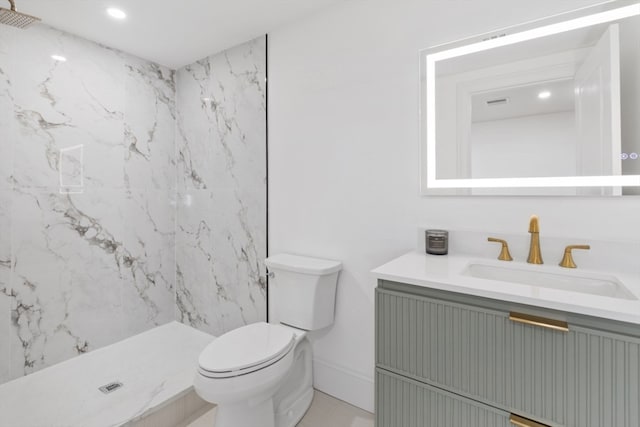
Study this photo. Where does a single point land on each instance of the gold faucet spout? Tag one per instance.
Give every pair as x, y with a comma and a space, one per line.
535, 254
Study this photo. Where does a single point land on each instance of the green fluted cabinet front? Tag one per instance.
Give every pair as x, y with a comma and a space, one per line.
468, 347
409, 403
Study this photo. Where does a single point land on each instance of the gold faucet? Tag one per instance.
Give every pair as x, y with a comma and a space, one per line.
504, 251
535, 256
567, 259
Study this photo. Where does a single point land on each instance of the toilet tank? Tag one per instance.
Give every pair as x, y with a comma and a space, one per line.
303, 290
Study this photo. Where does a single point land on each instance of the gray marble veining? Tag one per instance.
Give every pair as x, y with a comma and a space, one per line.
148, 269
5, 284
63, 104
130, 195
66, 280
87, 167
221, 216
150, 126
6, 118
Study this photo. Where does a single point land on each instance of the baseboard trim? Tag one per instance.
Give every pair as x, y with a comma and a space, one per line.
344, 384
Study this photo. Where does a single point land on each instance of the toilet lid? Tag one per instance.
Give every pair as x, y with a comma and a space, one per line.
246, 348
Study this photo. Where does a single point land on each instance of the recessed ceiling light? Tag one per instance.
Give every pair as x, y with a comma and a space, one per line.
59, 58
544, 95
116, 13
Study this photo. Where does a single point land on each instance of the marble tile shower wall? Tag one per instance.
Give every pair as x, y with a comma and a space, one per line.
111, 221
87, 197
221, 214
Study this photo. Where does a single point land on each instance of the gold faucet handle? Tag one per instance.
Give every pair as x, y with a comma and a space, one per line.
504, 251
567, 259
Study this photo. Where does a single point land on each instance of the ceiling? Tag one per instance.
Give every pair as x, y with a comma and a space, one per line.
523, 100
171, 33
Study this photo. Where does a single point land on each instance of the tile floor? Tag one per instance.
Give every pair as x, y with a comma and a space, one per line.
325, 411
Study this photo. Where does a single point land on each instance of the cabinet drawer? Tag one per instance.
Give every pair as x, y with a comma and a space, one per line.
585, 377
603, 379
476, 352
406, 403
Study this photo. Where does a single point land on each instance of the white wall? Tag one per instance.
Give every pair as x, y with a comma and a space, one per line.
343, 159
534, 145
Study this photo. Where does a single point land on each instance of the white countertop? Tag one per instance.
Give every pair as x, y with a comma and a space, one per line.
446, 273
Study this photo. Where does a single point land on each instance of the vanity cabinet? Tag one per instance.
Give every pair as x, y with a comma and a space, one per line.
410, 403
475, 354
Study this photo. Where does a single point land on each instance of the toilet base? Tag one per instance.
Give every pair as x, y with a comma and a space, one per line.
262, 415
246, 415
289, 417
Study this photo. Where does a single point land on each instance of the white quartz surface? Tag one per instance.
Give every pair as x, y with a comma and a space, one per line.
155, 367
446, 273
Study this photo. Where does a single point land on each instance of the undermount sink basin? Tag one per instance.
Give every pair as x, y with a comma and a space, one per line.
570, 281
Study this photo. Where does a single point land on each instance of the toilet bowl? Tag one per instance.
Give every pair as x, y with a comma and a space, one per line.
244, 389
260, 375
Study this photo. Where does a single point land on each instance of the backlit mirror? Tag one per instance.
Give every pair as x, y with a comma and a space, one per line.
546, 108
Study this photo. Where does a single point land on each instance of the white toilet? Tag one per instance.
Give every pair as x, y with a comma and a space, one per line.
260, 375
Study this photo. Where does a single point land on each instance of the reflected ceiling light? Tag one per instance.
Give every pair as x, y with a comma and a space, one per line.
544, 94
116, 13
59, 58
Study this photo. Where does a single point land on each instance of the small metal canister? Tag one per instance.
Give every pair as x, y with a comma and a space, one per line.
436, 242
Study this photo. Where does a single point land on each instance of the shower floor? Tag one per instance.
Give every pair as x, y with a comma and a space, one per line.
156, 369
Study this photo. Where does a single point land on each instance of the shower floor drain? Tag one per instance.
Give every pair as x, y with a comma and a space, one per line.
111, 387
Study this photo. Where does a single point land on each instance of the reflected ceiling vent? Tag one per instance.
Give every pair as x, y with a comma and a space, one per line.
497, 101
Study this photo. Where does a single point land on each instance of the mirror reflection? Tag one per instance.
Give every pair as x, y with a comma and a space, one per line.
562, 105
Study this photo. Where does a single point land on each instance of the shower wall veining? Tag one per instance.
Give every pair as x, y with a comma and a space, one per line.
130, 195
221, 222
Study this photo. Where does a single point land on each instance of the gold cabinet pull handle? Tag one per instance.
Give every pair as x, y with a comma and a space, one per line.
567, 259
524, 422
528, 319
504, 251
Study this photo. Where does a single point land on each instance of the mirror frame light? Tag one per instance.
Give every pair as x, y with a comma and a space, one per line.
428, 178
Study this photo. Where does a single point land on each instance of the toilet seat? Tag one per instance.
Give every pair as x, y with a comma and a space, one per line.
245, 350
